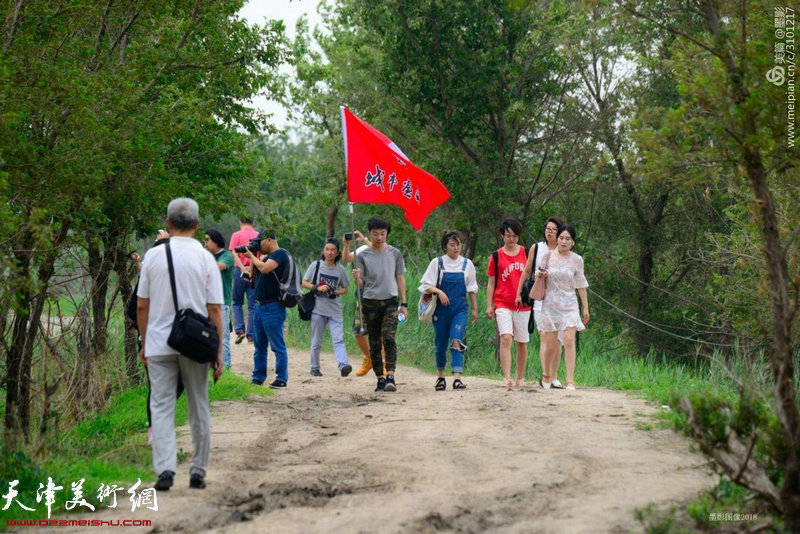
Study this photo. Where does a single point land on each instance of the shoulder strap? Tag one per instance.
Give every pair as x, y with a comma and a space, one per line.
464, 266
496, 258
316, 272
535, 255
172, 277
439, 273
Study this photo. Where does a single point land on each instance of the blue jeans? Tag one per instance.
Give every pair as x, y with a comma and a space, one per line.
226, 335
240, 288
336, 327
268, 322
450, 325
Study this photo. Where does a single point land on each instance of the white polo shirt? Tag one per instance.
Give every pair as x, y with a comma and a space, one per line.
196, 278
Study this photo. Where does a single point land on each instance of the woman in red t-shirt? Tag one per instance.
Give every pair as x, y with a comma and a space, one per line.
501, 296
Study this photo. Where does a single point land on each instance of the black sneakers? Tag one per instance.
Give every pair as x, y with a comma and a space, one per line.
278, 384
257, 382
316, 372
165, 481
197, 481
347, 369
381, 384
390, 385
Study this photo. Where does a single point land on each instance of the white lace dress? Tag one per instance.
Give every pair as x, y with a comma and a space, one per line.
560, 308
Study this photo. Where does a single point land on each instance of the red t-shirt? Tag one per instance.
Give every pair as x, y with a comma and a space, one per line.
509, 273
243, 237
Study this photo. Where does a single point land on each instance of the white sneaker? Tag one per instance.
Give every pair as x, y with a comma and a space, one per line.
556, 384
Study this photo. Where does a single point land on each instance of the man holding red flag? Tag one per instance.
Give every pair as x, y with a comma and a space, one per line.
379, 276
379, 173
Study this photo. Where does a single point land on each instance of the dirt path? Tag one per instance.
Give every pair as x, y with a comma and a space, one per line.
329, 455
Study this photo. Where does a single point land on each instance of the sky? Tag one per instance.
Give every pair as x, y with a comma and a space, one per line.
256, 12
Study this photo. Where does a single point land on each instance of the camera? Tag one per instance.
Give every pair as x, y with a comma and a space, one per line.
348, 236
253, 246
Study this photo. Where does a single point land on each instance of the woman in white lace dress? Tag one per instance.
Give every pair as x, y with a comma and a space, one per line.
561, 317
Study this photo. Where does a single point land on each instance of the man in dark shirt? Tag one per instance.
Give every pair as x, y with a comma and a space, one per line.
269, 315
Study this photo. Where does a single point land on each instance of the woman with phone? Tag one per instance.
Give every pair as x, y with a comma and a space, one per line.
549, 356
561, 317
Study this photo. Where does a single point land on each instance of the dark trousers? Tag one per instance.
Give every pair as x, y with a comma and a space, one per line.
380, 317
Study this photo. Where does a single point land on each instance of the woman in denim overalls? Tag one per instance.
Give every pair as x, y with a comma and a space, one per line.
452, 279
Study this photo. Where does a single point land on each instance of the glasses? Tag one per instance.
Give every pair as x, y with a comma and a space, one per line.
510, 236
551, 229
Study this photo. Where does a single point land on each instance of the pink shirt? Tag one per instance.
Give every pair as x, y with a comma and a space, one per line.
243, 237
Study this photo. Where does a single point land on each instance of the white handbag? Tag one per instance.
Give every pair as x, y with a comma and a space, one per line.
428, 301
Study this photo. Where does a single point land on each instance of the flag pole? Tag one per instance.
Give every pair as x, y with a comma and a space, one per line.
358, 319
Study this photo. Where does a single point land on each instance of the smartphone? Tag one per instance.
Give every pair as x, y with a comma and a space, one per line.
348, 236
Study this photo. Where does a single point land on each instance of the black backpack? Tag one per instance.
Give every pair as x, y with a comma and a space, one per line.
289, 290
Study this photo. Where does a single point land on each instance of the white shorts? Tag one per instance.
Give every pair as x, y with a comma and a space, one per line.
514, 323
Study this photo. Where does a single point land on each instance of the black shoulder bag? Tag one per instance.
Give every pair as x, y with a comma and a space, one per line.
192, 334
528, 283
306, 304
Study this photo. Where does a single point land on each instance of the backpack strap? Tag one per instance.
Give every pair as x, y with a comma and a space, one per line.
496, 258
439, 274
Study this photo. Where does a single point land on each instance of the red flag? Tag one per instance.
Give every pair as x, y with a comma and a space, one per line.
379, 173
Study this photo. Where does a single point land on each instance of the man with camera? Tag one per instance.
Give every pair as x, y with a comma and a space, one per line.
198, 287
269, 315
241, 281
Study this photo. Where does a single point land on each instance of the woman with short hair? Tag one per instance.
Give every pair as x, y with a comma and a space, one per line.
504, 271
549, 356
451, 277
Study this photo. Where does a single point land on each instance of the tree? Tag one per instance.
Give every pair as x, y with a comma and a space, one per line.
725, 51
110, 110
472, 91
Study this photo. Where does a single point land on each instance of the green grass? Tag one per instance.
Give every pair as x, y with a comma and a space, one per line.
107, 448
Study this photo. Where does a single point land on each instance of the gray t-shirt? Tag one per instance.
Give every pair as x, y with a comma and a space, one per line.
335, 277
378, 270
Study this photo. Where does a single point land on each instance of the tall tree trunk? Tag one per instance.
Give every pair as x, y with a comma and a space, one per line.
331, 226
781, 354
125, 280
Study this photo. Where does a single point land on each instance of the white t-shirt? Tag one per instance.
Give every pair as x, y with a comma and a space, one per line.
197, 280
430, 278
541, 253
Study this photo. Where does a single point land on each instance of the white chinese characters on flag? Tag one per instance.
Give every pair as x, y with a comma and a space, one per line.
379, 173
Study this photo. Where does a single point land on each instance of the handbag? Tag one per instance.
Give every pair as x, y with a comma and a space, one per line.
539, 287
306, 304
427, 302
192, 334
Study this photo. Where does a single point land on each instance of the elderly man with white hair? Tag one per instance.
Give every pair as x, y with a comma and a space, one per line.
199, 287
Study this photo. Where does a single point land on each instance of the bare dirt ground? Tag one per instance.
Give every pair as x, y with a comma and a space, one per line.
329, 455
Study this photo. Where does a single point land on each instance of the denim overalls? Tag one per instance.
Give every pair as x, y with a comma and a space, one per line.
449, 322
